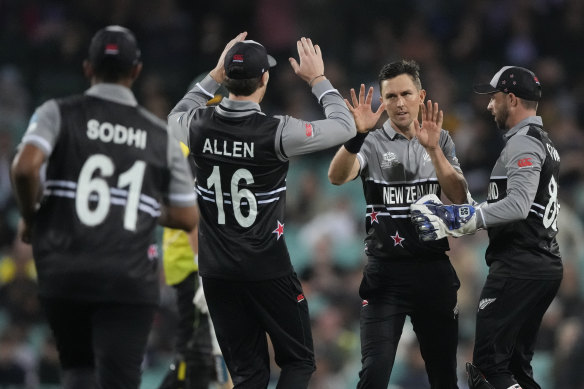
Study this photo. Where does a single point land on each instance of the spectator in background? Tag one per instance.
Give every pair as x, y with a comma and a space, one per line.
336, 221
308, 200
18, 286
12, 373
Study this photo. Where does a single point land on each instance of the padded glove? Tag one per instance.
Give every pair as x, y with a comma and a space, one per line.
434, 220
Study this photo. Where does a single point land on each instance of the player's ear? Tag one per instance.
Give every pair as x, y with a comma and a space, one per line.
87, 69
136, 70
422, 95
265, 78
512, 99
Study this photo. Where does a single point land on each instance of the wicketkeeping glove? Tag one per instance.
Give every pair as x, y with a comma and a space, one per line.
434, 220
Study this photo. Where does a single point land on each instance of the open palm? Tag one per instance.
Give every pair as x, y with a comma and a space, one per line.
365, 118
428, 133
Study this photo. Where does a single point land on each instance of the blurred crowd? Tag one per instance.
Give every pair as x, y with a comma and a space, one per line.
457, 43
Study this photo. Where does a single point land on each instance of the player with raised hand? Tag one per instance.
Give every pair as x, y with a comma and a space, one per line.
398, 163
241, 162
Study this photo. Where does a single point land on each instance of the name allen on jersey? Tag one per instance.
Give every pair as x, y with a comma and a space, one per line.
237, 149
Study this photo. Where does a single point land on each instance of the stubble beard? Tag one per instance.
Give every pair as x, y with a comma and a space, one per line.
501, 118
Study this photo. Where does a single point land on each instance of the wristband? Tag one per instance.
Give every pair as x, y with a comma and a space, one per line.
311, 81
354, 144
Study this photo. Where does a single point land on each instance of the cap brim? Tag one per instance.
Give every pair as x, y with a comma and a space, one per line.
271, 61
484, 89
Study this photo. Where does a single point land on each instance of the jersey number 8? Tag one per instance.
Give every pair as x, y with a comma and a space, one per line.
550, 215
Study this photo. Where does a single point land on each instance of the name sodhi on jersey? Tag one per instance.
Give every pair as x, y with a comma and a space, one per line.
116, 133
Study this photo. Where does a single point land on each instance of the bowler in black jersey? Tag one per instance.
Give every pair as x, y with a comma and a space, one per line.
398, 163
241, 162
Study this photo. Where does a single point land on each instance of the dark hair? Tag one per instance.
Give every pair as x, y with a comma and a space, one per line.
394, 69
111, 70
529, 104
244, 87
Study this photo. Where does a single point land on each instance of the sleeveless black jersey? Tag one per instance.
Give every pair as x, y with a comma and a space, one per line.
528, 248
95, 227
241, 187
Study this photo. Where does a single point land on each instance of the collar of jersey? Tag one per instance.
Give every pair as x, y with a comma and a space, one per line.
391, 132
113, 92
238, 108
525, 122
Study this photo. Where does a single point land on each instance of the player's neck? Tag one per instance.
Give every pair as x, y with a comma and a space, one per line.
256, 96
408, 132
519, 116
244, 98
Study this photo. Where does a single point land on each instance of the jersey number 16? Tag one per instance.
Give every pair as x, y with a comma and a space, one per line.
237, 196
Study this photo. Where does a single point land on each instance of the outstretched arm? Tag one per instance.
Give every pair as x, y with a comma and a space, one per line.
345, 165
302, 137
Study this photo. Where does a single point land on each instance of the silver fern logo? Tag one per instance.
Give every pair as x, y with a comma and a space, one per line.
484, 302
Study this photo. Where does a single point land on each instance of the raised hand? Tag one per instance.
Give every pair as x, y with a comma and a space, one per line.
311, 67
428, 133
365, 118
218, 73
